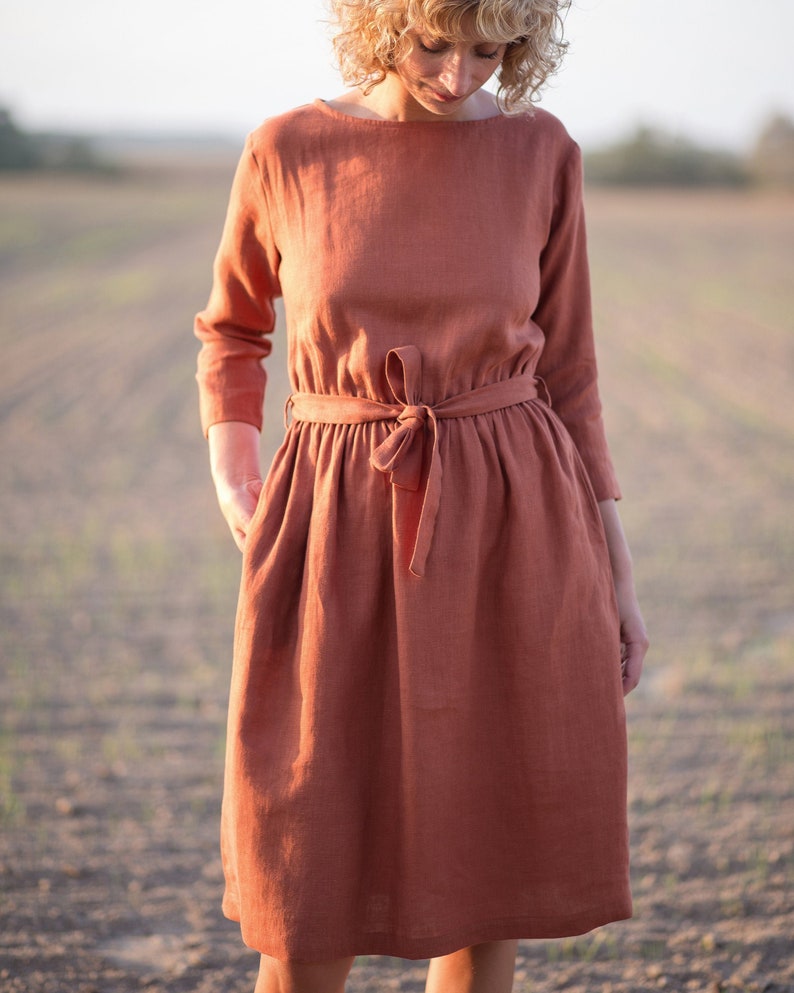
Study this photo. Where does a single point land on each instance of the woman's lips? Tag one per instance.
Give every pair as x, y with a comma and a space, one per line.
444, 97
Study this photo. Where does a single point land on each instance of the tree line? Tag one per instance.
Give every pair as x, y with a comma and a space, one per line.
21, 151
651, 157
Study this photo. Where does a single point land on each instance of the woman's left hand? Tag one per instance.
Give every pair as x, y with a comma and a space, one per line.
633, 636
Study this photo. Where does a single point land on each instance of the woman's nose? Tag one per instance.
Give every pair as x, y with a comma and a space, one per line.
456, 75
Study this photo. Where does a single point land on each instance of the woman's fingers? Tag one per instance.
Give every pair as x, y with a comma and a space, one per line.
238, 504
634, 645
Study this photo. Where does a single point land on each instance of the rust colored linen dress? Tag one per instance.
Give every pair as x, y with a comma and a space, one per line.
426, 741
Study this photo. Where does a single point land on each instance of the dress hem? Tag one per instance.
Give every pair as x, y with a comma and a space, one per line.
404, 946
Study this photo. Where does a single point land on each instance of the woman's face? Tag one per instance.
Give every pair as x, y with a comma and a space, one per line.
439, 76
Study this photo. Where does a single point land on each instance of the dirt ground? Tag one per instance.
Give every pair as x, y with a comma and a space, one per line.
117, 586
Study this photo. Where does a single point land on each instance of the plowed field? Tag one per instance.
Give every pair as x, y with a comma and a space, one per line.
117, 585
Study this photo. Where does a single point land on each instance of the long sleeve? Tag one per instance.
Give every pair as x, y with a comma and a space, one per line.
239, 315
568, 362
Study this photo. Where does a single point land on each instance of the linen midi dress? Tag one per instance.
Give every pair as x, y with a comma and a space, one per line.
426, 739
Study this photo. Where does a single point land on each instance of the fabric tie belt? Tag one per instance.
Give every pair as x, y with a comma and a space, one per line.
401, 455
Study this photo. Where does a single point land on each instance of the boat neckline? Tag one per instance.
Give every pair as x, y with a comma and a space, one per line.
325, 108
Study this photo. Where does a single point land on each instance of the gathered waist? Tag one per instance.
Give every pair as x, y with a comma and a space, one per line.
401, 454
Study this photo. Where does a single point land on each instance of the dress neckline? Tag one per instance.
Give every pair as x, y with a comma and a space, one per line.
379, 122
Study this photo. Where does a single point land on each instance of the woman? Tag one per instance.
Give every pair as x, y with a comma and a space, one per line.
426, 748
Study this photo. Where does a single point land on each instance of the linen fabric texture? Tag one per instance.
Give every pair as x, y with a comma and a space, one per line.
426, 740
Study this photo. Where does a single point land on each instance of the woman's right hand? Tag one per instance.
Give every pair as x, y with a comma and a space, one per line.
238, 504
234, 461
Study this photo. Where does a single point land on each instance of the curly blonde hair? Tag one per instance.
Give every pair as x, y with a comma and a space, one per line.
372, 38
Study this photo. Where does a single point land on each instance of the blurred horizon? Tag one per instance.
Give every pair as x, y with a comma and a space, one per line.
217, 136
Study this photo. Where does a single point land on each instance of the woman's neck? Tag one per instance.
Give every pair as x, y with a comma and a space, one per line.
389, 101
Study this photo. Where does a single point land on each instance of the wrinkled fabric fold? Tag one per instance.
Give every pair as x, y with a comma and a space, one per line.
402, 454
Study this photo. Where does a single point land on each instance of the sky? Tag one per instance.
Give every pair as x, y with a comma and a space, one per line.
711, 70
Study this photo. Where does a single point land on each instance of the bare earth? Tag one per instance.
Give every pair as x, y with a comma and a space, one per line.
118, 579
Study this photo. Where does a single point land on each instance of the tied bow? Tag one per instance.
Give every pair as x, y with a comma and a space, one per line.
402, 455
